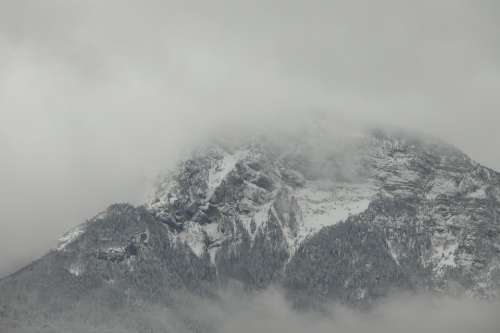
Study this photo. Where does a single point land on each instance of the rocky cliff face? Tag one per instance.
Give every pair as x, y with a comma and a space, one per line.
348, 222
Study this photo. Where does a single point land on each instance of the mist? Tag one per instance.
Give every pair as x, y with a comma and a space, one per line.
98, 97
269, 311
233, 310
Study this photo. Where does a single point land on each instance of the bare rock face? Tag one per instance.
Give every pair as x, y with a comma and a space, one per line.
383, 212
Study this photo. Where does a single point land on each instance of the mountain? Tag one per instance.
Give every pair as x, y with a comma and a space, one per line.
325, 220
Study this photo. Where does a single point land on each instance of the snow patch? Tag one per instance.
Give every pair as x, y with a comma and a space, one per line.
114, 250
76, 269
110, 282
360, 293
442, 186
70, 237
480, 193
221, 168
262, 215
444, 250
324, 205
197, 237
130, 264
393, 253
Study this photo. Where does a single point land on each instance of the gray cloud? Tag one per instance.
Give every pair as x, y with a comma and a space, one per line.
96, 97
269, 311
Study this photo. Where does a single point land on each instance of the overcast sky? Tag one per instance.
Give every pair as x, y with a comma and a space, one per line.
96, 97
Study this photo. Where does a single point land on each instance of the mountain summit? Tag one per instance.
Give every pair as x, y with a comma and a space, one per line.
325, 220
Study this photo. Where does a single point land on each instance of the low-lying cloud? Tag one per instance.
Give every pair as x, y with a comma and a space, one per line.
269, 311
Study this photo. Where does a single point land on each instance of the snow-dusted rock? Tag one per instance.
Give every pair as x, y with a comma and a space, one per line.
385, 211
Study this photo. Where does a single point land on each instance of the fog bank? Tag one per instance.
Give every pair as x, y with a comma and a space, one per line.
269, 311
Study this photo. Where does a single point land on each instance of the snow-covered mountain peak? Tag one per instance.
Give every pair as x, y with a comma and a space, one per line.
348, 220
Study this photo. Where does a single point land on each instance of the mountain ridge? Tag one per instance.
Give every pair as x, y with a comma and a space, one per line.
351, 224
